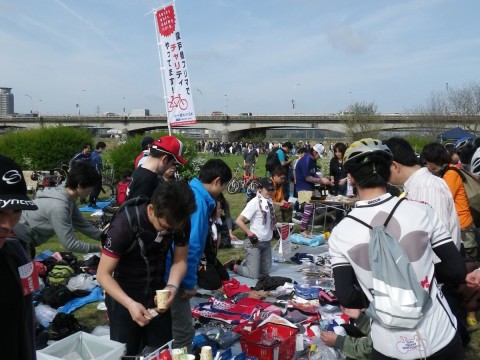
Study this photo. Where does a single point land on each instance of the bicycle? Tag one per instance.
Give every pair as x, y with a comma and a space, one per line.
250, 181
177, 101
107, 191
49, 178
234, 185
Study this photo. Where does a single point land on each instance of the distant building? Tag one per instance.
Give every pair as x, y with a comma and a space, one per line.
6, 101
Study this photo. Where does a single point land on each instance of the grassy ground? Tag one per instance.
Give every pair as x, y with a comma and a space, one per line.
90, 317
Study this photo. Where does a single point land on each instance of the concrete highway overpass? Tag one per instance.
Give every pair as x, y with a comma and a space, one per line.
230, 125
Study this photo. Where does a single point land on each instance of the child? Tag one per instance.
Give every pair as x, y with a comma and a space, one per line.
258, 252
211, 272
122, 187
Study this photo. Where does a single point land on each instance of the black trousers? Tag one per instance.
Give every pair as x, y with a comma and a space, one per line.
94, 194
123, 329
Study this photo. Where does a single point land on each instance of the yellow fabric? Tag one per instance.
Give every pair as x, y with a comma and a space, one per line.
455, 184
305, 196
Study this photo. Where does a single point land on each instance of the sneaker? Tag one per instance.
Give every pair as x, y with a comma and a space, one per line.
472, 324
64, 325
230, 264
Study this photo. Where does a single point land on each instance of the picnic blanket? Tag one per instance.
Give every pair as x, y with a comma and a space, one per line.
100, 205
314, 240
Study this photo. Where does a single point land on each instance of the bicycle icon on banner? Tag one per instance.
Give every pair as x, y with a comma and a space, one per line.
177, 101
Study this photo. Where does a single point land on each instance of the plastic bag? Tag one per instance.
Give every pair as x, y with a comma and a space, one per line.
101, 330
45, 314
81, 282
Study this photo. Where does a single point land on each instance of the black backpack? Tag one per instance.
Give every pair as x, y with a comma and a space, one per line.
272, 161
131, 208
56, 296
133, 215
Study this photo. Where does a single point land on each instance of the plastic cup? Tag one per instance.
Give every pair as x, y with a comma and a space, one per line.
162, 297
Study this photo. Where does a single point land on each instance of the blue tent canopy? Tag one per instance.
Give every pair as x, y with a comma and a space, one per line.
454, 134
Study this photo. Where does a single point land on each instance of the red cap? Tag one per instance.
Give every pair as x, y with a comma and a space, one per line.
171, 145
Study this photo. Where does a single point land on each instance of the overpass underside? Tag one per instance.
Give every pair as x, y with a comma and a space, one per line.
230, 127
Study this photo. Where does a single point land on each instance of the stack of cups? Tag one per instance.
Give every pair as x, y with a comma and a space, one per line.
206, 353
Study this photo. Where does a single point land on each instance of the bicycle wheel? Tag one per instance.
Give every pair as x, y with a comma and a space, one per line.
252, 187
107, 193
233, 186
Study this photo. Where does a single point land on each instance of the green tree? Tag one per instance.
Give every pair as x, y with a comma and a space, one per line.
45, 148
362, 120
123, 156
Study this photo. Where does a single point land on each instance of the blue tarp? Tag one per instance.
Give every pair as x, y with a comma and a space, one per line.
454, 134
72, 305
100, 205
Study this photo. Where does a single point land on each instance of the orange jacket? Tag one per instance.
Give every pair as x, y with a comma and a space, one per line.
455, 183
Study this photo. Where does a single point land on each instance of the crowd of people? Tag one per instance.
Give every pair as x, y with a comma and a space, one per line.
167, 234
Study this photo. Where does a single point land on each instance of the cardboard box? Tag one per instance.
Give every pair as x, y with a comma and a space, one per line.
82, 346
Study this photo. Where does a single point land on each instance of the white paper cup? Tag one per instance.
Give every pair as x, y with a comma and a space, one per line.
190, 357
206, 353
162, 297
176, 353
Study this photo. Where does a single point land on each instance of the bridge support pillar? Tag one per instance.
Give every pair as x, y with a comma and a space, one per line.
225, 134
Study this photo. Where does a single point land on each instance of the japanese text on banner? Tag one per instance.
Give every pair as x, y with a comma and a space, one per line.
178, 91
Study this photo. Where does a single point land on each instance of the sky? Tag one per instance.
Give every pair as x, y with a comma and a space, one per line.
242, 55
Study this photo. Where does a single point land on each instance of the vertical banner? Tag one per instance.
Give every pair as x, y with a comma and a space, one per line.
176, 82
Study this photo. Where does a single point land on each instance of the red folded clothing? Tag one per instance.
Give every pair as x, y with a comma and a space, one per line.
232, 287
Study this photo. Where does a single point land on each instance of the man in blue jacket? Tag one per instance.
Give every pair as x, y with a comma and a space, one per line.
212, 180
96, 161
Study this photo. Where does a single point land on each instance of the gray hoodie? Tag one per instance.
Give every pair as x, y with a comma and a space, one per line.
57, 214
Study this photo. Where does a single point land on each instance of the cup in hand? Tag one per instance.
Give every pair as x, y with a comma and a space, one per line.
206, 353
162, 297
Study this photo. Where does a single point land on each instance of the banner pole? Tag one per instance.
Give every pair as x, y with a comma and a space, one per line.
162, 68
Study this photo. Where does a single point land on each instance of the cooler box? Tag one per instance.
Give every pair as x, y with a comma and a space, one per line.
83, 346
270, 342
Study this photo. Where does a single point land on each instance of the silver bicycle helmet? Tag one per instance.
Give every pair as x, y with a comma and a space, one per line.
463, 142
475, 163
360, 148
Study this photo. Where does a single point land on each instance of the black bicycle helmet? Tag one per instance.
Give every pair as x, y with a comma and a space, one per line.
463, 142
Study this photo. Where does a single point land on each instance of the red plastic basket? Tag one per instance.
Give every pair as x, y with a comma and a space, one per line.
270, 342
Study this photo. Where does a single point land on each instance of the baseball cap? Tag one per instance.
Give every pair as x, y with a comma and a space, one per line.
171, 145
319, 148
266, 183
146, 141
13, 189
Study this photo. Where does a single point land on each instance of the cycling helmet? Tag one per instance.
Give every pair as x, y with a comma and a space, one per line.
475, 164
363, 147
463, 142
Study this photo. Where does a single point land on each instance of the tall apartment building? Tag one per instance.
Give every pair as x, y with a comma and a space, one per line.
6, 101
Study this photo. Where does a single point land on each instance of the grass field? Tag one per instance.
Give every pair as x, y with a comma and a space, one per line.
90, 317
